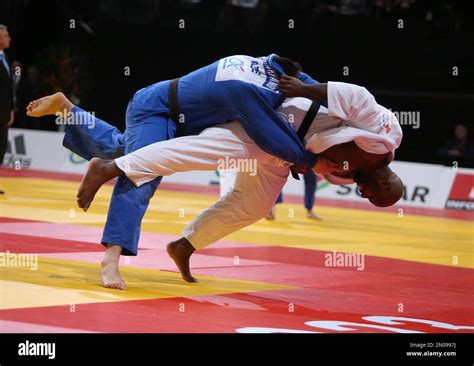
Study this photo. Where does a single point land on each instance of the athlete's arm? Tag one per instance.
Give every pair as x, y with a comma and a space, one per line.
305, 86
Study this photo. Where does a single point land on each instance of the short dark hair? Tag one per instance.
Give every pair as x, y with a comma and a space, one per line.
290, 67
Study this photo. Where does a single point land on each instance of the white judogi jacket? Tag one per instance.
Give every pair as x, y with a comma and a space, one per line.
352, 114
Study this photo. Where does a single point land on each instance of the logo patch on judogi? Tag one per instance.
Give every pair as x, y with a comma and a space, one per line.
256, 71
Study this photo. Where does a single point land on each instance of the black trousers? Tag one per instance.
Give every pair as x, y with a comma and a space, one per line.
3, 141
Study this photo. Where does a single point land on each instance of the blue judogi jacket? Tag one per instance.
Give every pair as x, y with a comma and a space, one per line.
243, 88
237, 87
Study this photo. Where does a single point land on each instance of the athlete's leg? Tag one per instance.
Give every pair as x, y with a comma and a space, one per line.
310, 181
249, 201
86, 135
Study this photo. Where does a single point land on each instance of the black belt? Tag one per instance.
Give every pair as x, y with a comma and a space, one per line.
173, 103
175, 116
303, 129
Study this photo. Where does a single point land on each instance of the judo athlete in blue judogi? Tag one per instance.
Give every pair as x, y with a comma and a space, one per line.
238, 87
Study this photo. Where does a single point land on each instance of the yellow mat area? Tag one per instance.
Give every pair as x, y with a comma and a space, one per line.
409, 237
65, 282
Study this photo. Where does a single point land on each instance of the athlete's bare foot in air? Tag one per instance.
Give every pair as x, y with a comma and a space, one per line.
109, 272
180, 251
51, 104
98, 172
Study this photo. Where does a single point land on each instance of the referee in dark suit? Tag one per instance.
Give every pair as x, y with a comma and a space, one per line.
6, 93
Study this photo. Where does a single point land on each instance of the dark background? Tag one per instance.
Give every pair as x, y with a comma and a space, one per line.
408, 69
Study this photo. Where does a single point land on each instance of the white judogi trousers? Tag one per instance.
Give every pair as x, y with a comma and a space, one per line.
226, 181
252, 196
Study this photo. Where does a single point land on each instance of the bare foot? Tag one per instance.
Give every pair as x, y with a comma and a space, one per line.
98, 172
110, 276
180, 251
91, 182
314, 216
51, 104
109, 272
271, 215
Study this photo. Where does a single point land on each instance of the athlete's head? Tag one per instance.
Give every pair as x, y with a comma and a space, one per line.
381, 186
290, 67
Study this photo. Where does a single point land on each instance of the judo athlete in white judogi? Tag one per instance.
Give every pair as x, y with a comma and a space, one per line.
354, 129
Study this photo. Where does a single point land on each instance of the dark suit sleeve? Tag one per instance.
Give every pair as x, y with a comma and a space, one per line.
6, 95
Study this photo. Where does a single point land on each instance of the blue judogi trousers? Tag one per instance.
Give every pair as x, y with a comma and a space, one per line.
144, 126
